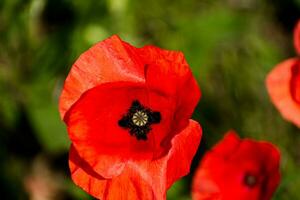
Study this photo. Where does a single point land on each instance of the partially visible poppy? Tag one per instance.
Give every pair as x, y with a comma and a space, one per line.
127, 111
237, 169
283, 84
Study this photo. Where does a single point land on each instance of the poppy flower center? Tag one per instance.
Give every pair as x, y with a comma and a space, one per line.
250, 180
138, 120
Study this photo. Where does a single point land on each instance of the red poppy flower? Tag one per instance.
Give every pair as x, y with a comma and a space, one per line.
283, 84
127, 111
237, 169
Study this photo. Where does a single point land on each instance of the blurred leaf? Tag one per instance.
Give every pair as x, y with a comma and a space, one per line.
43, 109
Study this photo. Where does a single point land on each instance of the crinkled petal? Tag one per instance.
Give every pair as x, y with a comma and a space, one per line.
160, 174
128, 185
108, 61
184, 147
84, 176
141, 179
166, 70
278, 84
168, 73
114, 60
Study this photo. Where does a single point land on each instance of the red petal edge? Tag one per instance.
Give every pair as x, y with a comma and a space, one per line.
228, 144
209, 182
141, 179
278, 86
107, 61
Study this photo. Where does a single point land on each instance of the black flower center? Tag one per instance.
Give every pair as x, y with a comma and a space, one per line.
139, 119
250, 180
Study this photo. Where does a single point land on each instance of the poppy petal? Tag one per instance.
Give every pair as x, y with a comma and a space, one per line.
160, 174
84, 176
222, 176
166, 70
228, 145
278, 84
204, 187
295, 82
93, 126
108, 61
168, 73
184, 147
272, 161
297, 37
110, 189
135, 187
145, 179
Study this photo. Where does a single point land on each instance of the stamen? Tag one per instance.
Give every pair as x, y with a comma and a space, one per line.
250, 180
139, 119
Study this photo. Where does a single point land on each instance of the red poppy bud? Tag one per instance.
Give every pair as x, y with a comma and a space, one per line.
127, 112
237, 169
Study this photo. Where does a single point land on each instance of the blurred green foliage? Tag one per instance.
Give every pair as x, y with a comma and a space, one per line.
230, 44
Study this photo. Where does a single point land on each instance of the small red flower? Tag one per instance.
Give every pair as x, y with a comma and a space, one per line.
283, 84
237, 169
127, 111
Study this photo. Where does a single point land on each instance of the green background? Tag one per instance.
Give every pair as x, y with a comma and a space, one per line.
230, 45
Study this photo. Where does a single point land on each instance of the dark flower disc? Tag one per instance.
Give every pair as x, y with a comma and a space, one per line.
250, 180
139, 119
